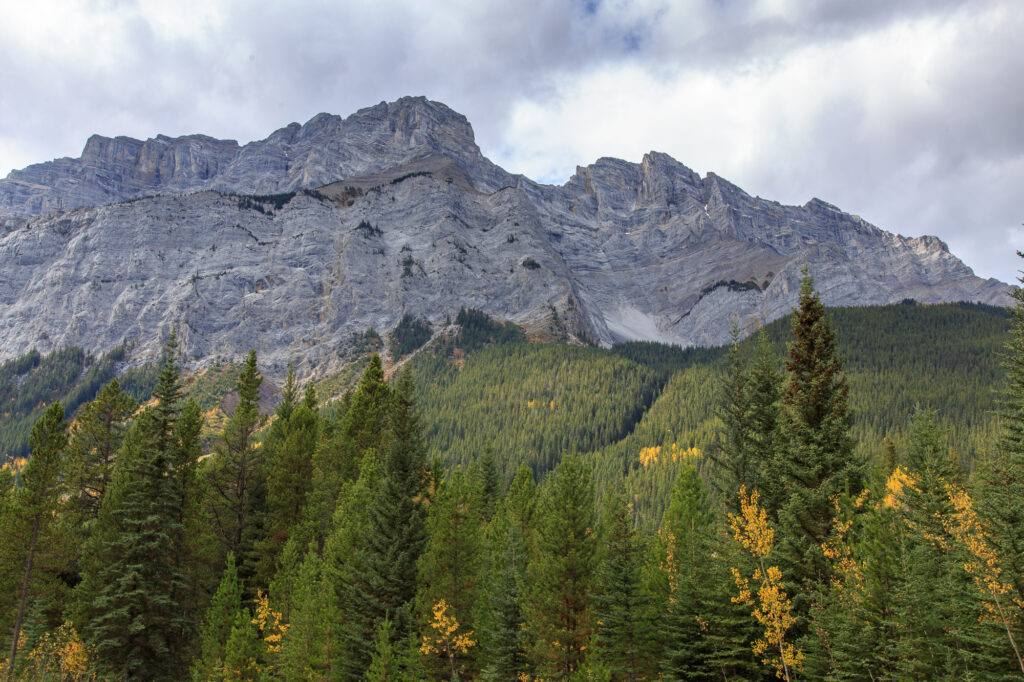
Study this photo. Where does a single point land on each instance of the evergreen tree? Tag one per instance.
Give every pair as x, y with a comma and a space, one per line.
562, 569
384, 564
763, 439
386, 663
236, 476
217, 625
360, 433
36, 503
449, 568
96, 436
138, 624
731, 455
288, 449
816, 461
504, 642
621, 606
1001, 479
704, 635
308, 650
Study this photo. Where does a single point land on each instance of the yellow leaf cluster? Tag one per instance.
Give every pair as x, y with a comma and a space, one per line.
898, 481
750, 527
269, 623
62, 653
446, 638
653, 454
772, 607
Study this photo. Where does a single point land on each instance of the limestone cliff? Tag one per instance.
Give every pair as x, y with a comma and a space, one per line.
406, 216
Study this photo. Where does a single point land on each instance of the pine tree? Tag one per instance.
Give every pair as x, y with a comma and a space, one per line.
217, 625
137, 622
384, 564
562, 569
236, 476
503, 638
386, 663
1001, 477
731, 456
288, 449
816, 461
621, 606
36, 502
449, 568
96, 436
308, 650
360, 433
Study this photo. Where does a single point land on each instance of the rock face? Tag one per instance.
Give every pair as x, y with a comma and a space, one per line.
407, 216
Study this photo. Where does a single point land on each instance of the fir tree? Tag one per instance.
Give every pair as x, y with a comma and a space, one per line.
816, 461
621, 606
360, 433
449, 568
1001, 478
308, 650
504, 642
562, 569
36, 502
96, 436
288, 449
138, 624
384, 564
236, 477
217, 625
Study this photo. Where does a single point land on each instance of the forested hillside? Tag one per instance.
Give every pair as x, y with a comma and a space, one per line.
838, 496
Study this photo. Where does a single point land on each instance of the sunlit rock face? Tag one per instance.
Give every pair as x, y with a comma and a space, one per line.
402, 214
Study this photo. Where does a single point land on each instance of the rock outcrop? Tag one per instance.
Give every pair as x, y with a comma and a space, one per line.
396, 211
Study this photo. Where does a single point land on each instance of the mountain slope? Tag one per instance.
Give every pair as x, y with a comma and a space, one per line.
392, 211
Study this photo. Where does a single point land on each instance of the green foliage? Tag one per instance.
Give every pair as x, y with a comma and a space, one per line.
139, 626
31, 381
534, 402
409, 335
562, 569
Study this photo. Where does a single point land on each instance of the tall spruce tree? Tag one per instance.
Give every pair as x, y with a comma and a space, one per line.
449, 568
1001, 476
815, 462
36, 503
621, 605
288, 451
96, 436
138, 625
562, 569
504, 642
236, 475
384, 565
217, 624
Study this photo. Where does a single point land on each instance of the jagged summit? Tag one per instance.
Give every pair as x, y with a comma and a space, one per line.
409, 217
324, 149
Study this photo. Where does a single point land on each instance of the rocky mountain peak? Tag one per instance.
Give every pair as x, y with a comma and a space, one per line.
410, 217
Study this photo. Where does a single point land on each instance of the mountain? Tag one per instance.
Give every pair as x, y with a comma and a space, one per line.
297, 243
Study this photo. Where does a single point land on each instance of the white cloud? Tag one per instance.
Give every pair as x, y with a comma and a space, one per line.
907, 113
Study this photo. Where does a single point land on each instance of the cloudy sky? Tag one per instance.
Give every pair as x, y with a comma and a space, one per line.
909, 113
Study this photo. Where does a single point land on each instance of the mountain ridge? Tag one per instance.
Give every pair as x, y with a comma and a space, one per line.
394, 210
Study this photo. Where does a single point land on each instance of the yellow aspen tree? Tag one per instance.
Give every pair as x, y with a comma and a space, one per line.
772, 608
446, 638
983, 565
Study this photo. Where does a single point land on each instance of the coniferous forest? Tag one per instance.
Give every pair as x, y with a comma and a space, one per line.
839, 496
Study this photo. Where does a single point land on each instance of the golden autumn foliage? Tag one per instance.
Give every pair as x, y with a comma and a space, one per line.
772, 608
269, 623
61, 654
983, 565
673, 453
446, 639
